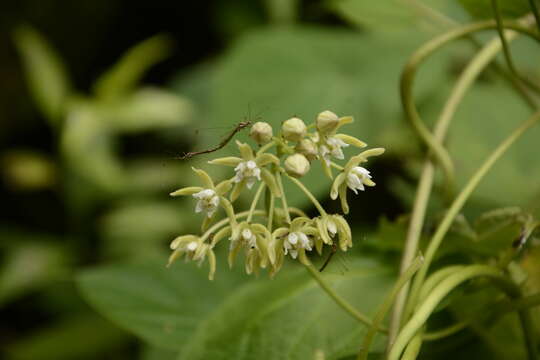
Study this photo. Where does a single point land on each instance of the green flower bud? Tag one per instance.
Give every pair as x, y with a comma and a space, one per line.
261, 132
307, 148
294, 129
327, 121
297, 165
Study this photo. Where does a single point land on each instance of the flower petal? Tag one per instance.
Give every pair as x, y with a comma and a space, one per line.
335, 185
343, 197
227, 161
205, 178
266, 158
351, 140
223, 187
237, 189
245, 150
190, 190
212, 263
220, 235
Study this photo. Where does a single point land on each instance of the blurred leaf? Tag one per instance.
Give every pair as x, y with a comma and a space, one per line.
282, 11
147, 109
154, 353
29, 265
509, 8
27, 170
478, 129
123, 76
79, 337
89, 149
302, 71
258, 319
397, 15
45, 72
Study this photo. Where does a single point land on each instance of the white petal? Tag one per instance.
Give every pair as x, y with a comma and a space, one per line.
199, 207
192, 246
292, 238
251, 165
331, 227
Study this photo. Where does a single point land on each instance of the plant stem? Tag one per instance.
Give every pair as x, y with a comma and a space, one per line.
386, 305
460, 200
283, 197
425, 309
341, 302
309, 195
227, 220
534, 9
506, 48
413, 348
271, 212
466, 79
255, 201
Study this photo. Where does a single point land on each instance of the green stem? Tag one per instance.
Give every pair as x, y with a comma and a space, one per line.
460, 200
271, 212
255, 201
425, 309
413, 348
309, 195
266, 147
466, 79
407, 82
283, 197
534, 9
447, 331
506, 48
341, 302
225, 221
336, 166
386, 305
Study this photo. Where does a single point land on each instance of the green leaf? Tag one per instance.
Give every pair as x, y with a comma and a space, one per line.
123, 76
154, 353
288, 317
482, 8
45, 73
398, 15
147, 109
303, 71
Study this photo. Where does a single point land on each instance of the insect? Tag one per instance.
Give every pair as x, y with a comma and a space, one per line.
342, 260
239, 127
327, 261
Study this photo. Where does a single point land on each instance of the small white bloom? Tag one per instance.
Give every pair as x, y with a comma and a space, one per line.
295, 241
247, 170
332, 147
356, 178
249, 238
208, 201
192, 246
331, 227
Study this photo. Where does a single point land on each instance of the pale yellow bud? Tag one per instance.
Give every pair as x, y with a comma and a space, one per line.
261, 132
297, 165
294, 129
307, 148
327, 121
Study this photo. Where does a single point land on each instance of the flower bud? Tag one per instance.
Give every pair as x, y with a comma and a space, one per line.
307, 148
327, 121
261, 132
297, 165
294, 129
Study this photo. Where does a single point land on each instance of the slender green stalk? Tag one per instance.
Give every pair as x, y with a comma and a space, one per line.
460, 200
341, 302
407, 82
386, 305
534, 9
255, 201
447, 331
506, 48
283, 197
425, 309
266, 147
308, 194
463, 84
413, 348
226, 220
271, 212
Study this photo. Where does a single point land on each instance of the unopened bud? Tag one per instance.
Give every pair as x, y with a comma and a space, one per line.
261, 132
327, 121
297, 165
294, 129
307, 148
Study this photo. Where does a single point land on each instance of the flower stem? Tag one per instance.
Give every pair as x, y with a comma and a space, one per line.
271, 212
534, 9
255, 201
386, 305
227, 220
308, 194
266, 147
336, 166
341, 302
283, 197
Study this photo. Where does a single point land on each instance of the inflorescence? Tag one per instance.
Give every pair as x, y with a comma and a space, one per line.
266, 236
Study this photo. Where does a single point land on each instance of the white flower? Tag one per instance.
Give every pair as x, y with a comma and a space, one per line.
294, 241
331, 227
249, 238
247, 170
208, 201
357, 177
332, 147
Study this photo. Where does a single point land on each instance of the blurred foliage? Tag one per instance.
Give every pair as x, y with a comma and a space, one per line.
105, 174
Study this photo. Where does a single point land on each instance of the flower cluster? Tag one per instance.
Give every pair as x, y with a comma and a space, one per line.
267, 234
